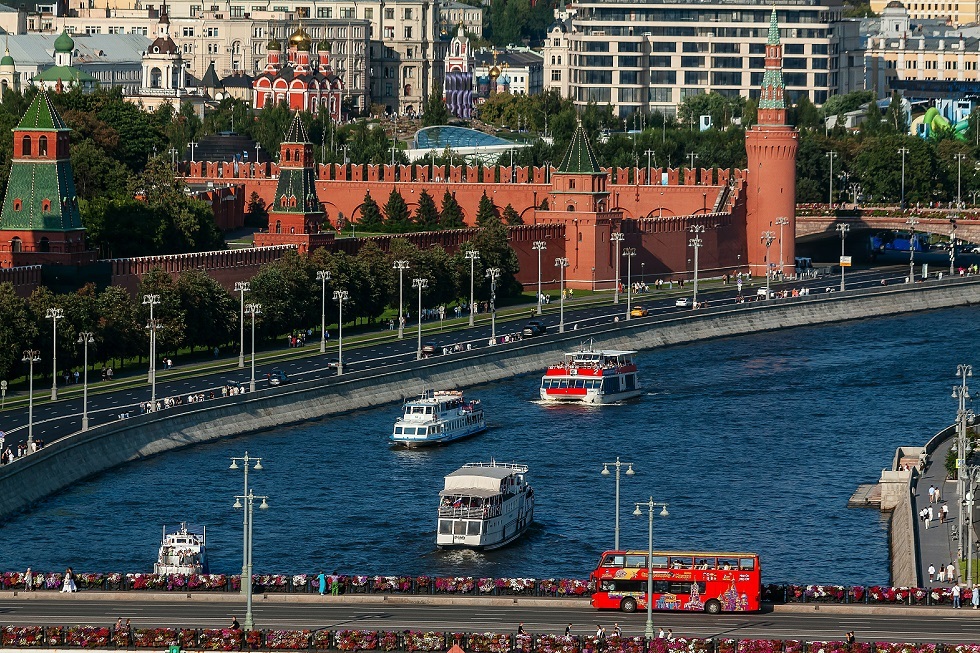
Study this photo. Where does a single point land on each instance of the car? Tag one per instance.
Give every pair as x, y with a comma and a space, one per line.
534, 328
762, 292
639, 311
277, 377
430, 349
682, 302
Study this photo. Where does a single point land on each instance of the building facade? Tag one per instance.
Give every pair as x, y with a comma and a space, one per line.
304, 81
957, 12
453, 15
651, 56
522, 67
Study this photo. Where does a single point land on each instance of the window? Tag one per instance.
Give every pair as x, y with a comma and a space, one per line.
369, 13
692, 62
661, 94
187, 32
596, 46
389, 14
237, 12
408, 13
409, 53
93, 29
667, 77
725, 48
626, 46
45, 206
408, 31
195, 10
795, 79
818, 48
188, 48
757, 63
627, 62
324, 12
116, 30
348, 12
25, 146
628, 77
660, 62
726, 79
42, 146
211, 32
589, 76
726, 62
15, 243
755, 79
556, 75
44, 245
793, 48
695, 77
794, 63
389, 32
18, 205
757, 48
664, 46
695, 47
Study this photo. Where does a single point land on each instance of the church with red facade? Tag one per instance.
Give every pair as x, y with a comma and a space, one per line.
305, 83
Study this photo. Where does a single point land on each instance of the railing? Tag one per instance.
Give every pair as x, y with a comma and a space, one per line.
462, 513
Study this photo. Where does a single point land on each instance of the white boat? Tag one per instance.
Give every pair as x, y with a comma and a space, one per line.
182, 551
592, 377
484, 506
437, 417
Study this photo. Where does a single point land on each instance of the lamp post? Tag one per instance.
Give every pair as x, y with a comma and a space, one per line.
323, 276
648, 153
539, 246
968, 503
31, 356
959, 175
617, 238
911, 222
340, 296
696, 243
561, 263
903, 151
605, 472
767, 238
247, 530
693, 156
952, 245
85, 338
961, 393
3, 394
151, 301
493, 274
629, 253
401, 266
649, 506
842, 230
253, 310
54, 314
242, 287
420, 283
855, 191
472, 256
830, 155
781, 221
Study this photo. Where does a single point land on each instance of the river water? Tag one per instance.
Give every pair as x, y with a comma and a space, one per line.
755, 442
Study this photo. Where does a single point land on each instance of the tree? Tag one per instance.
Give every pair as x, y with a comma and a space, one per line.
872, 119
511, 216
168, 313
289, 295
16, 328
426, 214
119, 333
895, 117
486, 211
451, 216
435, 111
371, 219
256, 214
807, 115
397, 216
210, 313
495, 252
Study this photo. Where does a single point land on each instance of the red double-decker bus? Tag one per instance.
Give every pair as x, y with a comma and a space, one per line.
682, 580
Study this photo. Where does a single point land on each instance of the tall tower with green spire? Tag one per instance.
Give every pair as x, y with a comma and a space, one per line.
772, 103
39, 222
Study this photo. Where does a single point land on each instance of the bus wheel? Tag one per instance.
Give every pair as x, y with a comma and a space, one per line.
712, 607
628, 605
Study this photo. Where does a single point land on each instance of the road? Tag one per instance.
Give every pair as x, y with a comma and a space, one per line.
57, 419
898, 625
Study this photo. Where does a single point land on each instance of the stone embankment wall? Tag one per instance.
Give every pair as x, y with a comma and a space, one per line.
106, 446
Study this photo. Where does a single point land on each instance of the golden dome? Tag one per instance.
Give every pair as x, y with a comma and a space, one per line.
300, 38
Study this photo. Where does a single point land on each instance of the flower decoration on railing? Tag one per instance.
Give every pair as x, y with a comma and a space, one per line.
146, 581
572, 587
391, 584
760, 646
358, 583
321, 640
154, 637
417, 640
54, 637
422, 584
356, 640
523, 643
89, 581
271, 583
557, 644
962, 648
857, 593
918, 595
22, 636
516, 585
254, 639
86, 636
793, 646
51, 581
287, 640
455, 585
301, 581
795, 593
679, 645
388, 640
220, 639
825, 593
901, 647
487, 585
487, 643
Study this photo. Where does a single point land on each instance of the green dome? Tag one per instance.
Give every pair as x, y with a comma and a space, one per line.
303, 46
324, 46
273, 45
7, 60
64, 43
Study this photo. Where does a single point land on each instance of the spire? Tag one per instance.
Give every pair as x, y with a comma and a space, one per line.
580, 158
772, 102
773, 28
42, 115
297, 131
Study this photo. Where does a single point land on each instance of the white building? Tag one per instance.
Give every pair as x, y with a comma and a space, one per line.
521, 69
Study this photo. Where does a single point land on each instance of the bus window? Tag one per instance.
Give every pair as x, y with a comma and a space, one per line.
636, 561
659, 562
727, 563
676, 587
704, 563
680, 562
620, 585
746, 564
612, 561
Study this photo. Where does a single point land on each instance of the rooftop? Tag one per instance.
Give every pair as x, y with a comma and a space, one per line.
443, 136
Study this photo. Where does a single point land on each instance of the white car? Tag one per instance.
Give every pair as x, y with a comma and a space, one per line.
682, 302
762, 292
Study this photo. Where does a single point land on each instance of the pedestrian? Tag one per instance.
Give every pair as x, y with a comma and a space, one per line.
322, 578
849, 638
119, 625
929, 516
600, 638
234, 623
951, 572
955, 591
520, 628
670, 635
944, 513
975, 596
29, 580
660, 633
941, 574
334, 583
568, 630
617, 631
69, 583
932, 494
932, 572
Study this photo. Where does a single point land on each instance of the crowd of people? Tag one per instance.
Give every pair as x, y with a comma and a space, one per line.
9, 454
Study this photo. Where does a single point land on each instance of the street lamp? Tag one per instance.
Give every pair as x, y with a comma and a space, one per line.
151, 301
842, 229
401, 266
903, 151
561, 263
618, 239
323, 276
253, 310
767, 238
421, 284
696, 243
629, 253
650, 505
952, 245
781, 221
539, 246
340, 296
959, 165
830, 155
472, 255
242, 287
54, 314
855, 190
85, 338
31, 356
911, 222
248, 496
493, 274
961, 392
605, 472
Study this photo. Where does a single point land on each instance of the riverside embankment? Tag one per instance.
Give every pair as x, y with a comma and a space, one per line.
69, 459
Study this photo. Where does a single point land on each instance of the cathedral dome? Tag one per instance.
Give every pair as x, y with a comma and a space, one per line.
300, 39
64, 43
273, 45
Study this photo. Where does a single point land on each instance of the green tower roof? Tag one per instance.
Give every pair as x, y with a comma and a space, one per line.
297, 131
580, 158
42, 115
7, 60
773, 28
64, 43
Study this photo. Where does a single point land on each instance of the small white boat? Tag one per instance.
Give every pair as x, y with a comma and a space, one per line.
438, 417
592, 377
484, 506
182, 551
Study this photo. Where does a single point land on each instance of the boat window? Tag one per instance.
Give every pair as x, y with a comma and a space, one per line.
680, 562
473, 528
704, 563
727, 563
563, 383
636, 561
459, 527
746, 564
613, 560
659, 562
445, 527
579, 383
428, 410
398, 430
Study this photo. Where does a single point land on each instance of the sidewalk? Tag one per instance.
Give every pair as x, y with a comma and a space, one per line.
937, 546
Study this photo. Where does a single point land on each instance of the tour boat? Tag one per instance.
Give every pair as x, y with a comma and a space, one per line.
437, 417
484, 506
592, 377
182, 551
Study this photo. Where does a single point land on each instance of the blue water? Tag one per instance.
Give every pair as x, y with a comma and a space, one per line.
755, 442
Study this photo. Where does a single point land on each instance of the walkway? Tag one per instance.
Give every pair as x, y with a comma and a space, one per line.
937, 544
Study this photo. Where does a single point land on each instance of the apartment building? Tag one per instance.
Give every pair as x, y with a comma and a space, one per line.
452, 15
956, 12
650, 56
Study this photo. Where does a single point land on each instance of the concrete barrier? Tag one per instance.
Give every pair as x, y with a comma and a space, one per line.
40, 474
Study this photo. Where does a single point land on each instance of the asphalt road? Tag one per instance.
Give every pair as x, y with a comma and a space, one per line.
898, 625
56, 419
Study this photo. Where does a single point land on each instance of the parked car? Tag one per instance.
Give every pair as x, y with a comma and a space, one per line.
277, 377
682, 302
639, 311
534, 328
430, 349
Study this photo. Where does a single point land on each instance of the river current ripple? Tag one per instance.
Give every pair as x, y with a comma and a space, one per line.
756, 443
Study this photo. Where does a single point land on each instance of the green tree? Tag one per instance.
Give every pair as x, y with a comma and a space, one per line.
119, 332
435, 111
495, 252
511, 216
96, 174
168, 313
426, 214
807, 116
451, 215
289, 295
210, 313
397, 216
16, 329
486, 212
896, 118
371, 219
872, 119
256, 214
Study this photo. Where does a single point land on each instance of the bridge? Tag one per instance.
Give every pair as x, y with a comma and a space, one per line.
814, 223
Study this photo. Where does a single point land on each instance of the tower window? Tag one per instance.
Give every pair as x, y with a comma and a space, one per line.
26, 146
45, 204
42, 146
44, 245
278, 226
18, 205
16, 245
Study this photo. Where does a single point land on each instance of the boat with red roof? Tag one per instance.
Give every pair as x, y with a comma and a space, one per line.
589, 376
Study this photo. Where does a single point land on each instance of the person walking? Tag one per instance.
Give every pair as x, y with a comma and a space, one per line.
29, 580
234, 623
322, 579
520, 628
69, 583
334, 584
951, 572
932, 494
975, 596
955, 591
944, 513
568, 630
932, 571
